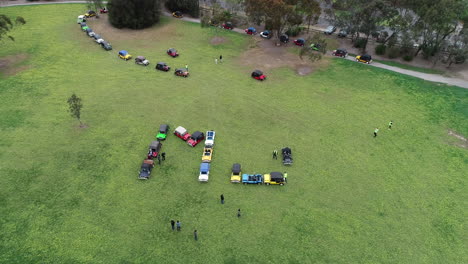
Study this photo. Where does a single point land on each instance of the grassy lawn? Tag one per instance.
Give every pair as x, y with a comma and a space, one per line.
410, 67
351, 198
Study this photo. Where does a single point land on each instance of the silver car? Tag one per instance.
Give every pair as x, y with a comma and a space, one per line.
329, 30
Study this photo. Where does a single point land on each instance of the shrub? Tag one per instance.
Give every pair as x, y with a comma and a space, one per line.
360, 43
190, 7
133, 14
294, 31
380, 49
393, 52
408, 57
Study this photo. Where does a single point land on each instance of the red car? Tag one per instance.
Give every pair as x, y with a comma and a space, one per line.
340, 53
103, 10
195, 138
172, 52
228, 25
251, 31
182, 133
258, 75
299, 42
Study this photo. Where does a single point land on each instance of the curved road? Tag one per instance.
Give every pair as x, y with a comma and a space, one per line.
425, 76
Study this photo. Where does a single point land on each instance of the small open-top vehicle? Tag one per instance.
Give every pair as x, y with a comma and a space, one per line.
154, 149
207, 153
252, 179
210, 137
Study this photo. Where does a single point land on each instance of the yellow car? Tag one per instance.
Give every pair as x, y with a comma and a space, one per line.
90, 13
364, 58
124, 55
207, 154
274, 178
236, 173
177, 14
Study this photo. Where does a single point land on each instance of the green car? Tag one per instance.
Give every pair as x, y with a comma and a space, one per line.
315, 47
84, 28
162, 132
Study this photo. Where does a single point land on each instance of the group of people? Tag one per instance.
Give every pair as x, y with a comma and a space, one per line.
376, 130
176, 225
220, 59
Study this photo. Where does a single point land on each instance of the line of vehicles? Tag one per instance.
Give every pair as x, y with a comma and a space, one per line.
275, 178
207, 155
81, 20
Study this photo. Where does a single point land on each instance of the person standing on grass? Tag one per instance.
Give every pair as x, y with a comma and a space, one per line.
238, 213
275, 154
195, 235
376, 131
390, 124
163, 156
178, 225
286, 177
222, 198
221, 58
173, 225
159, 159
186, 67
216, 61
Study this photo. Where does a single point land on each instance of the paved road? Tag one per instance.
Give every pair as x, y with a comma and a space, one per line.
425, 76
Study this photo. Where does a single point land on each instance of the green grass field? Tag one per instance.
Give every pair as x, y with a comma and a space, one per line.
71, 195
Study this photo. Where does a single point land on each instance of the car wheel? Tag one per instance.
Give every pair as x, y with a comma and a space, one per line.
281, 184
367, 62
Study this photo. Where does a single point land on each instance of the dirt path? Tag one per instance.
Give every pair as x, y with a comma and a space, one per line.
425, 76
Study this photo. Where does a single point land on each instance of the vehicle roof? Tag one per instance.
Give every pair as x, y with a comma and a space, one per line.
163, 127
182, 69
236, 168
204, 166
172, 50
276, 175
141, 57
284, 36
181, 130
286, 149
161, 63
259, 72
300, 39
251, 28
155, 144
197, 135
123, 52
145, 166
342, 50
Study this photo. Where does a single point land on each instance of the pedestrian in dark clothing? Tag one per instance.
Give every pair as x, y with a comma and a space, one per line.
390, 124
173, 225
178, 225
238, 213
163, 156
222, 199
195, 235
220, 58
159, 159
375, 132
275, 154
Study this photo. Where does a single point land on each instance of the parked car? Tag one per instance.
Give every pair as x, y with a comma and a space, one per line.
366, 58
330, 30
91, 33
207, 153
266, 34
85, 28
154, 149
172, 52
162, 66
141, 60
274, 178
103, 10
252, 179
182, 133
177, 14
258, 75
204, 172
182, 72
90, 13
210, 136
250, 31
343, 33
145, 169
299, 42
124, 55
284, 38
105, 45
96, 37
340, 53
287, 156
315, 47
88, 31
162, 134
81, 19
195, 138
236, 173
228, 25
82, 24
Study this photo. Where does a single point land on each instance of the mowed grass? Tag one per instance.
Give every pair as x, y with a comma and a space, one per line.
71, 195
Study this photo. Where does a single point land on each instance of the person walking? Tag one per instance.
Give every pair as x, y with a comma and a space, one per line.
178, 225
186, 67
173, 225
390, 124
376, 131
222, 198
285, 177
159, 159
221, 58
275, 154
195, 235
163, 156
238, 213
216, 61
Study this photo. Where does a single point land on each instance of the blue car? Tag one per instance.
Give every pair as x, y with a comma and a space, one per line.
204, 172
252, 179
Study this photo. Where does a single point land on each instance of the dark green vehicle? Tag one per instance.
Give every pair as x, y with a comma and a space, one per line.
162, 132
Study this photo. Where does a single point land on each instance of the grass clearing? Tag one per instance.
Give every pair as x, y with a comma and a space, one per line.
410, 67
351, 198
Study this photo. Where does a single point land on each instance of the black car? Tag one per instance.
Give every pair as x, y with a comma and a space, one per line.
287, 156
145, 170
105, 45
340, 53
284, 38
162, 66
97, 36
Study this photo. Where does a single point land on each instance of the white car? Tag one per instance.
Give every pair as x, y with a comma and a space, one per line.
204, 172
99, 41
266, 34
210, 136
91, 34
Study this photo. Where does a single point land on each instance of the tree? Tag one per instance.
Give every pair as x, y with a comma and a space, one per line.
314, 55
191, 7
311, 9
75, 105
6, 25
134, 14
457, 48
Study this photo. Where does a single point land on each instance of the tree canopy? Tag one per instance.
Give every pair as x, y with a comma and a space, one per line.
134, 14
